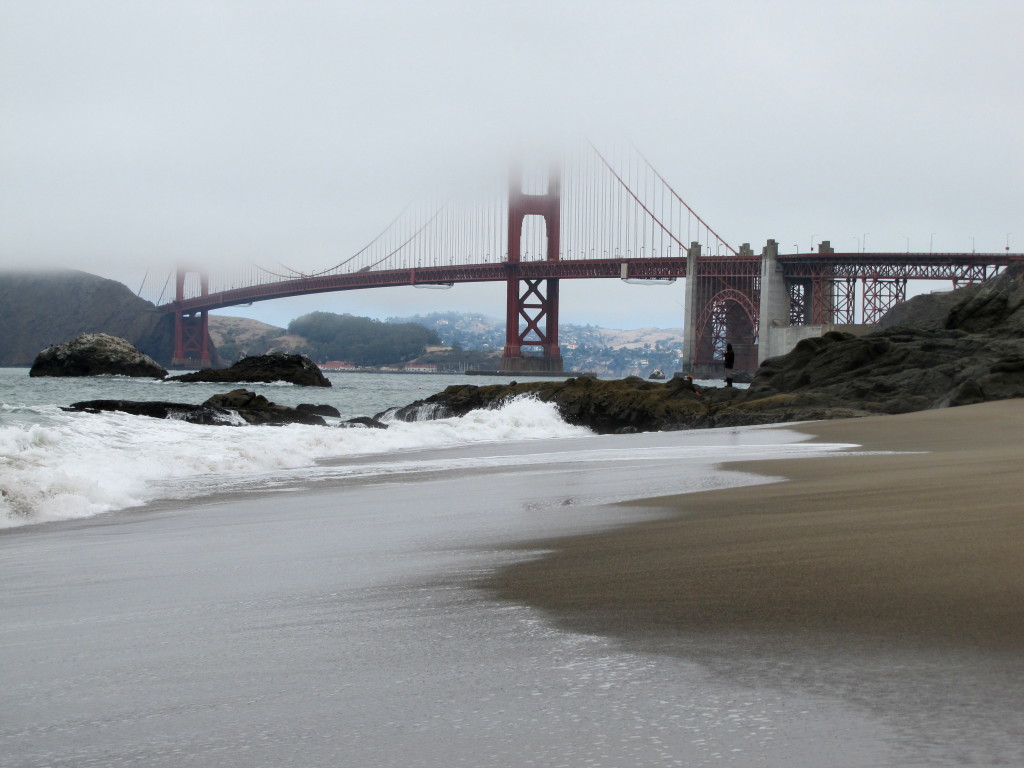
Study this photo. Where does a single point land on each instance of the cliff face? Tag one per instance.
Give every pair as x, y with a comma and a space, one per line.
39, 309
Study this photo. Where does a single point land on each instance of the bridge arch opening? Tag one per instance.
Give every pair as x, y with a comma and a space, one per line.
730, 317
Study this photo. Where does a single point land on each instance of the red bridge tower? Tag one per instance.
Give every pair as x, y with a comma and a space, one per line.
191, 329
532, 302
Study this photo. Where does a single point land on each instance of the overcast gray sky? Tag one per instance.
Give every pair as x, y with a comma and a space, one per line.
135, 134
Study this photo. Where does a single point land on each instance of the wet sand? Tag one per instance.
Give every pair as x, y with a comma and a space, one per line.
925, 546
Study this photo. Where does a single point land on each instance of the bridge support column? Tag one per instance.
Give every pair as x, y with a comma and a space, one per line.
690, 308
531, 308
774, 310
191, 329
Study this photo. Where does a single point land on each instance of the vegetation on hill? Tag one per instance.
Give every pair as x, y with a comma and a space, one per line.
238, 337
605, 351
324, 336
361, 340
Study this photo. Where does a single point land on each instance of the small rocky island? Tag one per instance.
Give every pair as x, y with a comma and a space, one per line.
96, 354
263, 369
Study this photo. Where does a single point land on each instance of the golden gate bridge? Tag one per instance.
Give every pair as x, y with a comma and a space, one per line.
592, 215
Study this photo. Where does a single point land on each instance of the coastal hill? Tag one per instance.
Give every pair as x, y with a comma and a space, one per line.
39, 309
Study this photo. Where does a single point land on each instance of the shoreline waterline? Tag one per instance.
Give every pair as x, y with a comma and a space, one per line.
337, 624
918, 543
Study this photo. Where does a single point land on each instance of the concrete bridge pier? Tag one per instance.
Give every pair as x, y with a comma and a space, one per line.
774, 308
793, 309
690, 309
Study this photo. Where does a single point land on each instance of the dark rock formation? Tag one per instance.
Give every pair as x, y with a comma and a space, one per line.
363, 422
96, 354
939, 350
319, 410
236, 408
256, 409
39, 309
297, 369
193, 414
630, 404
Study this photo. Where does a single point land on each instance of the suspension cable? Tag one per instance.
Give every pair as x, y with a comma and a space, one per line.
677, 197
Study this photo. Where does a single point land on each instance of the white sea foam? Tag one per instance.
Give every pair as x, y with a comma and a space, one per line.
56, 465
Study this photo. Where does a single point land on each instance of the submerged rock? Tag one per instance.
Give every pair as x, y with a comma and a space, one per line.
96, 354
237, 408
363, 422
193, 414
295, 369
319, 410
256, 409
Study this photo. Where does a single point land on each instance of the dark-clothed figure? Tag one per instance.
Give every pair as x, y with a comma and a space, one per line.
730, 360
688, 384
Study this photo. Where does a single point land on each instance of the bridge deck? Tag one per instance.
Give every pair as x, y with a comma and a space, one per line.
922, 266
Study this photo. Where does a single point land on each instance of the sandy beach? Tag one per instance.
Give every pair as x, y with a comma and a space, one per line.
331, 618
918, 543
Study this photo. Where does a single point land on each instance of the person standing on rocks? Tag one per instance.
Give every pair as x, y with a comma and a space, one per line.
730, 360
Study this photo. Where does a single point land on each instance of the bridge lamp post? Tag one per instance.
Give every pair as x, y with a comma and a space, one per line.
855, 237
972, 243
931, 243
864, 245
813, 235
908, 242
796, 247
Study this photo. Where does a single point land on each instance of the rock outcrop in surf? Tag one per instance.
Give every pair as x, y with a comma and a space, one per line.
236, 408
935, 351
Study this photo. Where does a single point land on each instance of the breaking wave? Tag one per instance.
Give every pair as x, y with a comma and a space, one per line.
57, 465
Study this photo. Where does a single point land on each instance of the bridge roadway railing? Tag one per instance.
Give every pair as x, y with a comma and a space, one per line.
921, 266
472, 273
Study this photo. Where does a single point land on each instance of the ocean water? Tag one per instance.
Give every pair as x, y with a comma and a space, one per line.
179, 595
58, 465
